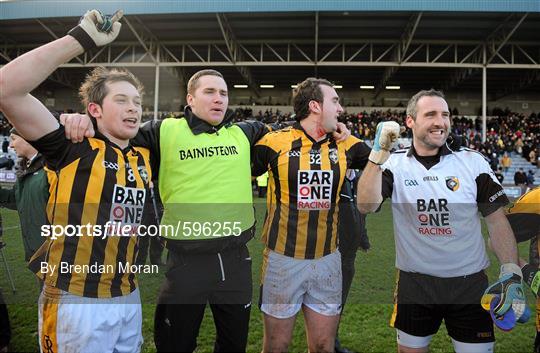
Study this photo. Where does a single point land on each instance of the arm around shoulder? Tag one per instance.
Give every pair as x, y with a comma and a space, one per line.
254, 130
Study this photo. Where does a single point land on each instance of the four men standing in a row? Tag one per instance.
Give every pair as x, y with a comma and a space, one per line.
438, 239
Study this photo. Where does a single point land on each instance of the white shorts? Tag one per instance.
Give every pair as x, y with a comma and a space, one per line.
70, 323
287, 283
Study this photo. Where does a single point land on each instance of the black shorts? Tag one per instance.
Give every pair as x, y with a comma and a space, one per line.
423, 301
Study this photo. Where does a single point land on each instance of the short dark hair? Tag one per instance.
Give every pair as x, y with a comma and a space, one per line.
194, 80
306, 91
411, 106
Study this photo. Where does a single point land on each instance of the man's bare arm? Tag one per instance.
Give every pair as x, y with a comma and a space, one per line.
369, 189
19, 77
502, 238
22, 75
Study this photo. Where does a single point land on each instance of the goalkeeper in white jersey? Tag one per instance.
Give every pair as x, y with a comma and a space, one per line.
437, 193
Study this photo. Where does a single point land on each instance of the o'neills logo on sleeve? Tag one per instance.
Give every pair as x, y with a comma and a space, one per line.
314, 189
207, 152
127, 206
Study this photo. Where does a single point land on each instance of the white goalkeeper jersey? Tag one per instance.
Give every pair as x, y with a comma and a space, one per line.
435, 203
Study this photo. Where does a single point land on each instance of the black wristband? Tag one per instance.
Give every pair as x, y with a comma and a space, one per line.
82, 37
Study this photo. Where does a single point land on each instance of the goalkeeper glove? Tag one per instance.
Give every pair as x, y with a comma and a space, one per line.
95, 29
531, 276
386, 134
505, 299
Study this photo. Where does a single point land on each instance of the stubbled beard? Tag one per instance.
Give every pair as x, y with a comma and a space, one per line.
426, 141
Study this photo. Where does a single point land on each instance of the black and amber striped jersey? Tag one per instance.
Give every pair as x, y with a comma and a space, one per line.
524, 215
524, 218
96, 190
305, 177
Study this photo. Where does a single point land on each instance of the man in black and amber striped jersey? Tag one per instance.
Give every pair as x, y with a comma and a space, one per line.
302, 266
94, 186
524, 218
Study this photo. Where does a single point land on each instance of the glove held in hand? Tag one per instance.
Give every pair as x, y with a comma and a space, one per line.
531, 276
95, 29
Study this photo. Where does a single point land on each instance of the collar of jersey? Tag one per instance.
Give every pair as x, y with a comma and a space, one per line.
443, 151
199, 126
129, 148
298, 126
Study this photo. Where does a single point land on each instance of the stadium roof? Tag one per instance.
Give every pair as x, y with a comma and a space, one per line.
404, 43
47, 8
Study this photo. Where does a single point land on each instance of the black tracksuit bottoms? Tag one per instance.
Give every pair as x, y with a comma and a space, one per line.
222, 280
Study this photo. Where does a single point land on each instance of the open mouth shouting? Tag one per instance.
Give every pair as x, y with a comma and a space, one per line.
133, 122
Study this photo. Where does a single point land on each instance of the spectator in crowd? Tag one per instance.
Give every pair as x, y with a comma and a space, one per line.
518, 146
4, 125
29, 195
532, 157
492, 157
530, 178
520, 179
506, 161
6, 162
499, 175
